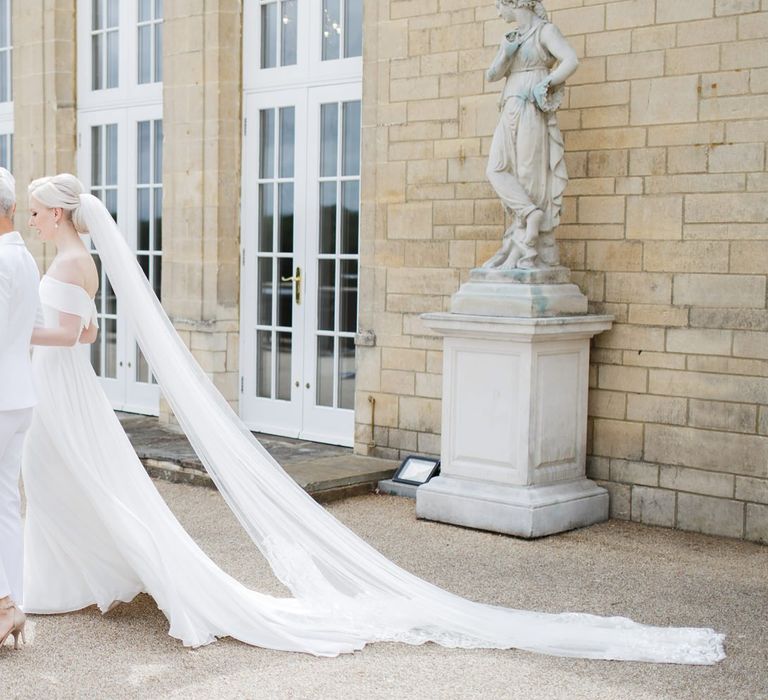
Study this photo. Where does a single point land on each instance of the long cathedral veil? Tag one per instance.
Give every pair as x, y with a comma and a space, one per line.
317, 557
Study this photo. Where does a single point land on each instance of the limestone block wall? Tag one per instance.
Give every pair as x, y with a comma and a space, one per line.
44, 94
202, 92
665, 226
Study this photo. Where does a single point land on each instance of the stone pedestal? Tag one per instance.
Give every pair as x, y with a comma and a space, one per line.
514, 419
528, 293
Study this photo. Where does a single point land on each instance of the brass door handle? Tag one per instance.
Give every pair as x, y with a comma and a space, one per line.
296, 279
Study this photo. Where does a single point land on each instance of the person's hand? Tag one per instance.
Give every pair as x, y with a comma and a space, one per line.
510, 44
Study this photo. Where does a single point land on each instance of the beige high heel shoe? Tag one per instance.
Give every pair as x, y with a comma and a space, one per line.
18, 620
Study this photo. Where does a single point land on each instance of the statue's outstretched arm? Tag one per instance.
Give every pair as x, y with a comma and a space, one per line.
556, 44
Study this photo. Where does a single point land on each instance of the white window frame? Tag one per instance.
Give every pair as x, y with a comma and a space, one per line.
6, 108
126, 105
305, 85
129, 91
309, 68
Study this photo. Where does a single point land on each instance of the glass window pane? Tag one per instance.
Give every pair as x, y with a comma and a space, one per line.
110, 202
111, 174
113, 58
350, 217
5, 85
142, 206
285, 225
100, 291
110, 305
347, 373
157, 276
269, 35
353, 28
327, 217
329, 139
158, 9
285, 294
267, 143
144, 146
97, 66
145, 54
266, 217
348, 310
6, 158
265, 292
159, 53
145, 9
96, 151
144, 264
4, 23
287, 134
351, 139
113, 7
331, 29
158, 212
142, 367
110, 335
325, 363
97, 14
158, 164
284, 349
264, 364
4, 35
289, 30
326, 295
96, 355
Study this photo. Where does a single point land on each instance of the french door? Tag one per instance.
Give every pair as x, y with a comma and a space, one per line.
120, 137
120, 162
300, 238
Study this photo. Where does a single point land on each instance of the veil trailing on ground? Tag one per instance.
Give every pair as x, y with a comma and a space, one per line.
319, 559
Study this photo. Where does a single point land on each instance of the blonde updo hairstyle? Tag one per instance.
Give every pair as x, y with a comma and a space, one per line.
63, 192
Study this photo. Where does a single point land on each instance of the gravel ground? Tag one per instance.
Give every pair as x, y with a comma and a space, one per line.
656, 576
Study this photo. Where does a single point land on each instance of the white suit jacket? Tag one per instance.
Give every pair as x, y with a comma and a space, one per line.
19, 303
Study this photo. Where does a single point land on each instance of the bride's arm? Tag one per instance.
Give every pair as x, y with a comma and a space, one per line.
89, 335
65, 335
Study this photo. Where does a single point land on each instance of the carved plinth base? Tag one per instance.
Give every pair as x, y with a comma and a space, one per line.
514, 425
529, 293
527, 512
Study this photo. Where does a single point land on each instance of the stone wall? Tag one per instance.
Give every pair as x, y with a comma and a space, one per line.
665, 125
202, 96
44, 101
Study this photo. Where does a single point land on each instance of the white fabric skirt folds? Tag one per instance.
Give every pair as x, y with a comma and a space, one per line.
98, 531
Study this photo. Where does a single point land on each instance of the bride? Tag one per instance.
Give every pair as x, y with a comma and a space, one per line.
98, 532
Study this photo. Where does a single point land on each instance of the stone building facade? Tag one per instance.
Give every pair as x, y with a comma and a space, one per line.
665, 220
665, 227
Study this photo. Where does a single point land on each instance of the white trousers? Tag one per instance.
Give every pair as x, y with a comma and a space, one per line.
13, 427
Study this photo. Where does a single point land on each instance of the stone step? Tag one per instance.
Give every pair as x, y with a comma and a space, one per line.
326, 472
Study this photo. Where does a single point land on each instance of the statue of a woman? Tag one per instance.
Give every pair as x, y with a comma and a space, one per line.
526, 165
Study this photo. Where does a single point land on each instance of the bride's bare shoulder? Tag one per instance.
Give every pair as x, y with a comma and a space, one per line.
76, 269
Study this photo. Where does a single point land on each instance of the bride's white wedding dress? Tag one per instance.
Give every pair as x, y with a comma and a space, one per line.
98, 531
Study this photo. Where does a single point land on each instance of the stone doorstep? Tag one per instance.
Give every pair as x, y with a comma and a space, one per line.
326, 472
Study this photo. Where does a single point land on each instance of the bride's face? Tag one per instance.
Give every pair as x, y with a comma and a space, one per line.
42, 219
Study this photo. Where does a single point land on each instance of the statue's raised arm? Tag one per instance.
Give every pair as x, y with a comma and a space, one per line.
526, 165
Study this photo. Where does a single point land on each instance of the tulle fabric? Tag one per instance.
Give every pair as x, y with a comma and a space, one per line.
345, 594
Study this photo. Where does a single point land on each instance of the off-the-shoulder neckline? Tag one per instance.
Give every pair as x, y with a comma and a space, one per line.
68, 284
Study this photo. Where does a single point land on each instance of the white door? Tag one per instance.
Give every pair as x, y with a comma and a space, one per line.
332, 245
120, 135
120, 161
273, 262
299, 231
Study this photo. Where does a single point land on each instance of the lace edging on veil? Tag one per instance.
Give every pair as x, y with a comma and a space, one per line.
317, 557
